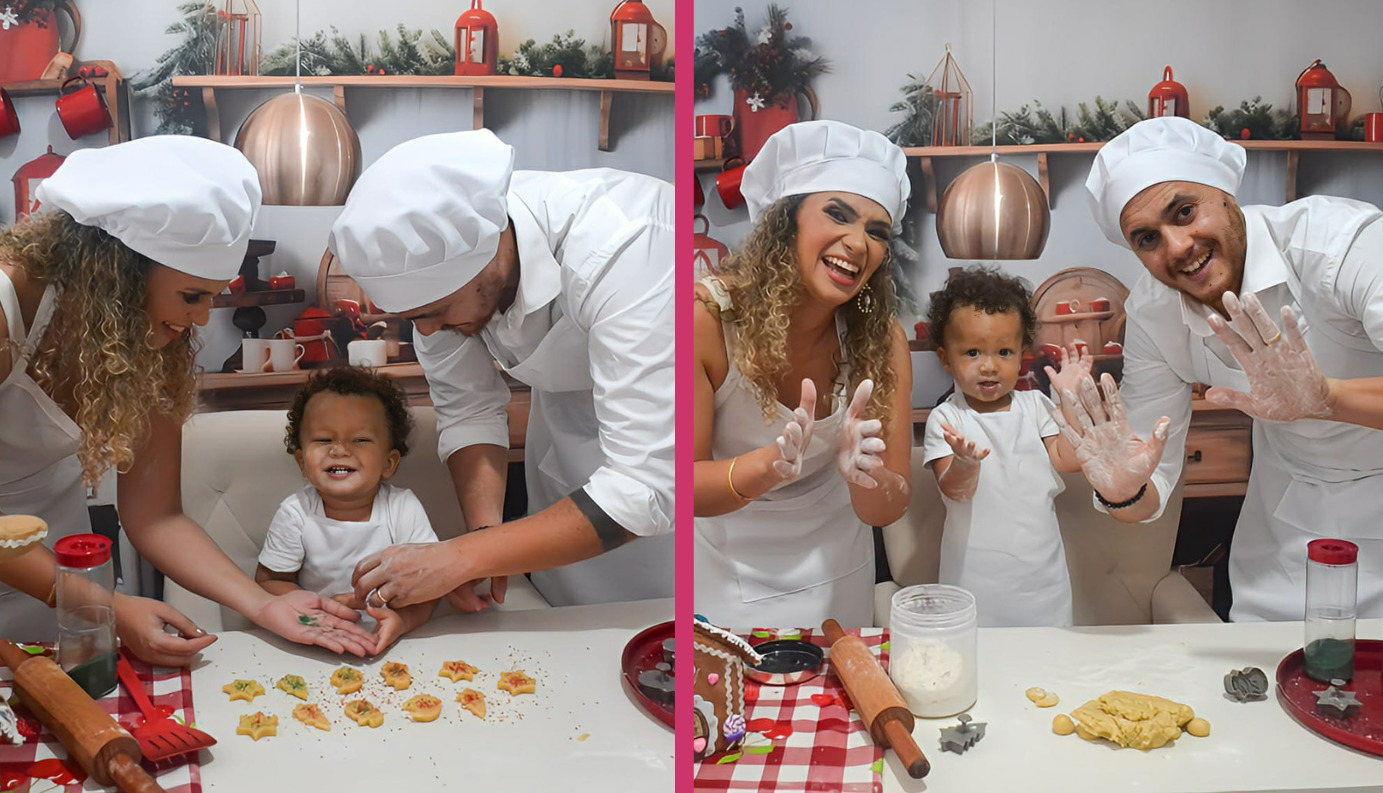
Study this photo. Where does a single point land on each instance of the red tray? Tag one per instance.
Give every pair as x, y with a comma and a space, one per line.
642, 653
1364, 730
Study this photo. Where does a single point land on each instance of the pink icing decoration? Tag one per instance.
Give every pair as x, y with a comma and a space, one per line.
699, 745
713, 678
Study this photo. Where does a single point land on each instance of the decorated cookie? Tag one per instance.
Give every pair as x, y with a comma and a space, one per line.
396, 675
516, 682
423, 707
257, 725
19, 534
472, 700
243, 689
312, 716
364, 714
294, 685
347, 680
458, 670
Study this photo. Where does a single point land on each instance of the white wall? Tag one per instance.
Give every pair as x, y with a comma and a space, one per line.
1062, 52
551, 130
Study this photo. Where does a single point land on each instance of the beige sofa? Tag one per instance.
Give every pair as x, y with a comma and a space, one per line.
235, 472
1120, 573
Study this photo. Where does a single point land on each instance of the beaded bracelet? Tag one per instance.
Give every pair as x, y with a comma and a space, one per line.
1122, 504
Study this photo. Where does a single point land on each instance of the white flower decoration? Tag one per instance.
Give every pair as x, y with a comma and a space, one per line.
755, 102
8, 18
764, 35
805, 54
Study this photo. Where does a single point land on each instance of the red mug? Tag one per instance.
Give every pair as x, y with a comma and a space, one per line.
82, 111
9, 120
715, 126
728, 183
699, 195
1373, 127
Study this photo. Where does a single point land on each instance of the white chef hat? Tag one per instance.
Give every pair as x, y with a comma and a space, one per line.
425, 218
1163, 149
824, 156
185, 202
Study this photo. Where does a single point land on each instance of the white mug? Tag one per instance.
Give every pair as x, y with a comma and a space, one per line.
254, 354
366, 352
284, 354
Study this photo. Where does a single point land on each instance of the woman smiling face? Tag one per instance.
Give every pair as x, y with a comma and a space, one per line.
176, 302
842, 239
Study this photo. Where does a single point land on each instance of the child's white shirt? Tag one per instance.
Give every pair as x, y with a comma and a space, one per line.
1004, 544
324, 552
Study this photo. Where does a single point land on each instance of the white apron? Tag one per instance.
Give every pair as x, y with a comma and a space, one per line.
798, 554
561, 452
1004, 544
39, 471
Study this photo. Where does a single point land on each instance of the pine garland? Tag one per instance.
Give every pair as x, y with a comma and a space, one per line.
919, 103
338, 55
1253, 120
1026, 126
179, 110
769, 65
561, 57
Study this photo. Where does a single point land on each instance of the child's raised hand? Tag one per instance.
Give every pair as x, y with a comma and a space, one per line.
1075, 367
966, 451
797, 434
860, 445
389, 628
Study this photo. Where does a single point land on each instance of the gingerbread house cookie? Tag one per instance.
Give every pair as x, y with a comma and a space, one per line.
718, 707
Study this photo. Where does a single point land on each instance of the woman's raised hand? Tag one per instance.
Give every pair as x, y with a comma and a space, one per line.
797, 434
860, 445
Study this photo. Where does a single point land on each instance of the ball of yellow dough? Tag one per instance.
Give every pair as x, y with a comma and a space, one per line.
1198, 727
1062, 724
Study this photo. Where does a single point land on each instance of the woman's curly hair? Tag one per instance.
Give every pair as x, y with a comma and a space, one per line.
984, 289
765, 284
352, 381
99, 343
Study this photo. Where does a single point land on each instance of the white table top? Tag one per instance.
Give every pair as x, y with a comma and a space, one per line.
528, 742
1253, 746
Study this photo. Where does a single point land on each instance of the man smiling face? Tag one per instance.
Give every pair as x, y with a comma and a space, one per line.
1190, 236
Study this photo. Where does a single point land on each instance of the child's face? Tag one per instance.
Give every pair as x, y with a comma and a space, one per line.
983, 352
345, 449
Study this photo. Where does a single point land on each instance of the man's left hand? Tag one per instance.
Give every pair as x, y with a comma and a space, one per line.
1284, 382
402, 575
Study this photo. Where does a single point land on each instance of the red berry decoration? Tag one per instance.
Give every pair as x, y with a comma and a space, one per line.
1244, 134
557, 70
381, 70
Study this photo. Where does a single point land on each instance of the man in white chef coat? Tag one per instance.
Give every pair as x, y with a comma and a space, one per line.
1301, 286
565, 282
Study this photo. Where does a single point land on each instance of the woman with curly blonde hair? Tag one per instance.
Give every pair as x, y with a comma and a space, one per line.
806, 308
98, 296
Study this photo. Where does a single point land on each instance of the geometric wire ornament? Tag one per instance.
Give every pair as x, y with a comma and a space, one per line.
954, 114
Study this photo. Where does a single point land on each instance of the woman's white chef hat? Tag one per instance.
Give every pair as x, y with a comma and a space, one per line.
185, 202
425, 218
827, 156
1164, 149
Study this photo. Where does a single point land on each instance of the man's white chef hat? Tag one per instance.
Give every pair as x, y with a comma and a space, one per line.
827, 156
1164, 149
425, 218
185, 202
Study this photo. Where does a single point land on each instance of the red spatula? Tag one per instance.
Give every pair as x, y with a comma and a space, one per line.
159, 736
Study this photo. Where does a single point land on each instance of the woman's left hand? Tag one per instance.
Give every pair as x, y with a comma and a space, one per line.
861, 448
306, 618
408, 574
140, 623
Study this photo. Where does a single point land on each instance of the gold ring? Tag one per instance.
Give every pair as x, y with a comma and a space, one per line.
1275, 339
373, 594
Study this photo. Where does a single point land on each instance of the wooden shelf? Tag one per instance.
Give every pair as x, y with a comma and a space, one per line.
264, 297
112, 85
1292, 148
210, 84
709, 166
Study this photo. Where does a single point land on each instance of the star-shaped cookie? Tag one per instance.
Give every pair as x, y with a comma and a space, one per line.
257, 725
243, 689
516, 682
458, 670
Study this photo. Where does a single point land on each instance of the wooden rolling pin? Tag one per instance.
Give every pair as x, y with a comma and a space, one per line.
875, 697
104, 750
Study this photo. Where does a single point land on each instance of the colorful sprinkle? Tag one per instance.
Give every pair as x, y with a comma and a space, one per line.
729, 758
713, 678
877, 766
823, 700
759, 749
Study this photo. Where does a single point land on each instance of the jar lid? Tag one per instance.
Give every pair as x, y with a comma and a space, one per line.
1332, 551
82, 550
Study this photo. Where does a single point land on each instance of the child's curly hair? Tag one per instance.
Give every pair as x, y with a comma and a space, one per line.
986, 289
352, 381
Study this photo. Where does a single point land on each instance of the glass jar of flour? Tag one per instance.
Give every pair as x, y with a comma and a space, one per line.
932, 650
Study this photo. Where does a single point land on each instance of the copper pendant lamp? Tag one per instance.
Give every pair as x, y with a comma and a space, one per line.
304, 148
993, 210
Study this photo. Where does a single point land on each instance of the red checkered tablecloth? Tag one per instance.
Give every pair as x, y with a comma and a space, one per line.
170, 688
828, 746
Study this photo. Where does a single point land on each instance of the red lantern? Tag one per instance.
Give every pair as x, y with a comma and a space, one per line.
1322, 103
631, 31
27, 179
1168, 98
477, 41
708, 251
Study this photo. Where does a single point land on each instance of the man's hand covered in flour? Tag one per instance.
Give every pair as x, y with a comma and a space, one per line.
1115, 461
1284, 382
859, 459
797, 434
